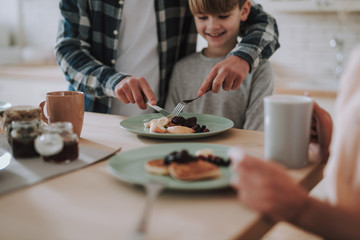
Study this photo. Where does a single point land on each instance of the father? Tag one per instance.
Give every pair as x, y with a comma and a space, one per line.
120, 52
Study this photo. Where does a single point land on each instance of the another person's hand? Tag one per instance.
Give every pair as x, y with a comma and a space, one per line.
135, 90
227, 74
266, 187
321, 132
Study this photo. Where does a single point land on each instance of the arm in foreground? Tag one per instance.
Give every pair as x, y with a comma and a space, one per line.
266, 187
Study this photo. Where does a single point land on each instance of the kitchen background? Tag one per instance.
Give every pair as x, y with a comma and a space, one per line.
316, 37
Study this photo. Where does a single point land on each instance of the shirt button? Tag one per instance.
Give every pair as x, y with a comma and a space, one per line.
113, 61
115, 32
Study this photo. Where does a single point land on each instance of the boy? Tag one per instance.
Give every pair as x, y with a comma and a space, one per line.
218, 22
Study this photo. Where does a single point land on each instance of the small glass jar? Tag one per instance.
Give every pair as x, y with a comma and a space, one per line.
23, 135
58, 143
19, 113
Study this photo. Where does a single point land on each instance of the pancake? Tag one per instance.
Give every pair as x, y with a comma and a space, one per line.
180, 130
193, 171
157, 167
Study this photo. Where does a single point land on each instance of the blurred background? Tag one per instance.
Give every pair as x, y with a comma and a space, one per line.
316, 38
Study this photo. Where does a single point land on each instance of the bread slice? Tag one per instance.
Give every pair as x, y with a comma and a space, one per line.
157, 128
193, 171
157, 167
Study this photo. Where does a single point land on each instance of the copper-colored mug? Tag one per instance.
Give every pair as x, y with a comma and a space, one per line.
64, 106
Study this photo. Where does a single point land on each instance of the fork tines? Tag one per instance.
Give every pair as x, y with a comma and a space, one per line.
178, 109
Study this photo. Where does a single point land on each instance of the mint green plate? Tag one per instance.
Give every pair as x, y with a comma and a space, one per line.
129, 166
215, 124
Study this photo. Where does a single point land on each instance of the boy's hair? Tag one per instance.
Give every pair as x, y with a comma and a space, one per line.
214, 6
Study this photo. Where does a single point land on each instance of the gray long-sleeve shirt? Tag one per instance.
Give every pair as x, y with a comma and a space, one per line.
244, 106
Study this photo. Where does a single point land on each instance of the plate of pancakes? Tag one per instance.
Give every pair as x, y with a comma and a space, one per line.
131, 166
215, 124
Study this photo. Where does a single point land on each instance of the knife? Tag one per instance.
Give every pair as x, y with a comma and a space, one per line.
159, 109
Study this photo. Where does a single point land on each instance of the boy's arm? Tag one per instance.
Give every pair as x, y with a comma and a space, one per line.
73, 52
259, 37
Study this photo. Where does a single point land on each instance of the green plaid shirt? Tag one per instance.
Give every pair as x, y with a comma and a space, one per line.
87, 43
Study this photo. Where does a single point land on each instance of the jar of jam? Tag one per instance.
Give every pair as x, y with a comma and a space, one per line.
19, 113
58, 143
23, 135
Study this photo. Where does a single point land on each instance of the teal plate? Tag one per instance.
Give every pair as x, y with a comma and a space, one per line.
129, 166
215, 124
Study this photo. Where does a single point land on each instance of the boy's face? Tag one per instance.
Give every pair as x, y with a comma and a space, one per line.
221, 30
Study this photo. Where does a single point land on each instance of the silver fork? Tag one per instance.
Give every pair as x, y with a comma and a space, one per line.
181, 105
153, 189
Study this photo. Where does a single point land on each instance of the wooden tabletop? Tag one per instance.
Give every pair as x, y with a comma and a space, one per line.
92, 204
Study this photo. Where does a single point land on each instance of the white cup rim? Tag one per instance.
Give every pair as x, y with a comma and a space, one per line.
288, 99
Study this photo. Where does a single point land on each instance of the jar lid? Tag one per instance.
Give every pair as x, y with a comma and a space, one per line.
21, 112
25, 124
48, 144
59, 127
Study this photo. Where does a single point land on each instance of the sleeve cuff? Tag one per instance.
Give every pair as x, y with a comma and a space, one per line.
250, 55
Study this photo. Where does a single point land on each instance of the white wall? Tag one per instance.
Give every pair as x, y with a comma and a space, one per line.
305, 53
8, 21
33, 26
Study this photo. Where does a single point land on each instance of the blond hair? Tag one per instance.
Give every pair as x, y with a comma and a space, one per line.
214, 6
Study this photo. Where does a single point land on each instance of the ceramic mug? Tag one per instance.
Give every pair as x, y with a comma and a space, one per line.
287, 123
64, 106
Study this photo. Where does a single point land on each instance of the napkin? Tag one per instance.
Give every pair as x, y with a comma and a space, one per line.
27, 171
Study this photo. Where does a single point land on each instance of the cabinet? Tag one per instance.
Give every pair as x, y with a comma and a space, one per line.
310, 5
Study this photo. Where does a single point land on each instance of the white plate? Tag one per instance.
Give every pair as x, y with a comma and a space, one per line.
5, 158
4, 106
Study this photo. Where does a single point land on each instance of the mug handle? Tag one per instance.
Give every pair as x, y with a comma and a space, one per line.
44, 116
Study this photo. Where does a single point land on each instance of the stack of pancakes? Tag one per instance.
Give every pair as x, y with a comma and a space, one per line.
190, 171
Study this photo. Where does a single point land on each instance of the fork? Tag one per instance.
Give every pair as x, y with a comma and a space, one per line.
181, 105
153, 189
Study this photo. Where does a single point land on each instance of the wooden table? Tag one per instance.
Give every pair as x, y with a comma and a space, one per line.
92, 204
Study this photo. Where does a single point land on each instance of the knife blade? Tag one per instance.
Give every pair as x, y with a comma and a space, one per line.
159, 109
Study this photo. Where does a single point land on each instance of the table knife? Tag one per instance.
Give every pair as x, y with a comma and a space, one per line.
159, 109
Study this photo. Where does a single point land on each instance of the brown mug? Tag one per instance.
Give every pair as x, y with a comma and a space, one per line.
64, 106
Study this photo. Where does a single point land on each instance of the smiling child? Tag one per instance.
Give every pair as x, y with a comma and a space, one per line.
219, 23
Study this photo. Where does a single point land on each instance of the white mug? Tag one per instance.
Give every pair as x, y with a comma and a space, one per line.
287, 123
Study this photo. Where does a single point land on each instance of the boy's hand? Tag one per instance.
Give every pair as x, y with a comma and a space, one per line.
228, 74
135, 90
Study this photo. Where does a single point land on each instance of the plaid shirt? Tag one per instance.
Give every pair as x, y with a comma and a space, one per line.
87, 44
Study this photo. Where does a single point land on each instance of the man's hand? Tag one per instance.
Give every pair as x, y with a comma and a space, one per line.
227, 74
135, 90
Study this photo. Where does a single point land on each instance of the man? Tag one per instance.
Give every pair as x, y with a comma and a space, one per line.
123, 52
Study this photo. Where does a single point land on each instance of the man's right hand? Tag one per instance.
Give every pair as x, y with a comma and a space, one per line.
135, 90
